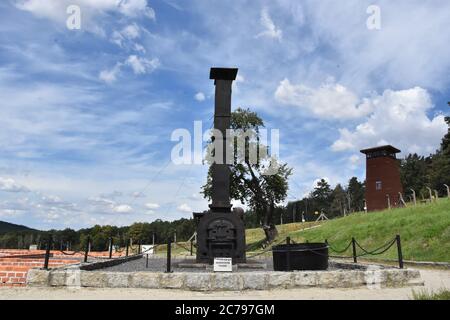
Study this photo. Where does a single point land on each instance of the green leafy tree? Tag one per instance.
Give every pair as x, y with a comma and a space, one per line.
355, 195
249, 182
322, 195
338, 201
439, 172
413, 171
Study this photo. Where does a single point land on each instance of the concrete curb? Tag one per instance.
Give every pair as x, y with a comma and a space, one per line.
72, 277
444, 265
108, 263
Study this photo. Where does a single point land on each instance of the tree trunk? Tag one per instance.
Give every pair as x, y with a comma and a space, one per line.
271, 232
269, 228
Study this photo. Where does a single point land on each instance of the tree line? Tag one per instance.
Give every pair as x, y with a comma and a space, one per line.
334, 202
433, 171
417, 172
69, 239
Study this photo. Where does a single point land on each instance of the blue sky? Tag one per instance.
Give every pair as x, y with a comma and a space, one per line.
87, 115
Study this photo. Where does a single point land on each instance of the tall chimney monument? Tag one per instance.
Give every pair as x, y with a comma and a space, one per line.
220, 230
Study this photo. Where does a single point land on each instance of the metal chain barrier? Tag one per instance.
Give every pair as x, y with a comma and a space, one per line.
119, 251
339, 251
154, 247
386, 247
70, 254
183, 247
266, 250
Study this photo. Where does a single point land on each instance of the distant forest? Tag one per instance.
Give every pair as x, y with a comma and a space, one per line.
417, 173
6, 227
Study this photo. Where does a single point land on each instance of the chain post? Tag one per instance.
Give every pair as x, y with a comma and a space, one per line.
169, 255
355, 260
110, 247
86, 251
399, 250
47, 252
288, 253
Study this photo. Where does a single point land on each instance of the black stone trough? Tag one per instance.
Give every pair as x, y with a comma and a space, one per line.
300, 256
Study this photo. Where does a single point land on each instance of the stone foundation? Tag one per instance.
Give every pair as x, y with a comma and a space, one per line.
264, 280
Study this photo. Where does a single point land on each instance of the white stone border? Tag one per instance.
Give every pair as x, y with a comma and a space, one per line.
238, 281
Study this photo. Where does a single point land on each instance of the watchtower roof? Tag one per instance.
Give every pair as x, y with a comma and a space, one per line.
388, 148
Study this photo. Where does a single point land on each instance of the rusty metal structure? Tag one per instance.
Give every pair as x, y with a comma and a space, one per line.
220, 230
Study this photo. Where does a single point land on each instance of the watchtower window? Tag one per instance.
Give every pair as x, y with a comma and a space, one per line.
380, 153
378, 185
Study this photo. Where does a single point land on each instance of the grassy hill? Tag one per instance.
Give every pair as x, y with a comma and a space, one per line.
6, 227
424, 230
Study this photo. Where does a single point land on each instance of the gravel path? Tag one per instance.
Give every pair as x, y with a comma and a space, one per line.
434, 280
159, 264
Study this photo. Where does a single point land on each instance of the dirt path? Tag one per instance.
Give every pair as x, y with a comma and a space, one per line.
434, 280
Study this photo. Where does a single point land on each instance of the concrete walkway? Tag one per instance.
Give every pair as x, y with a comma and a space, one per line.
434, 280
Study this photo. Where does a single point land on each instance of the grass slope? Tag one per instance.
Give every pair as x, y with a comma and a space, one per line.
424, 230
442, 294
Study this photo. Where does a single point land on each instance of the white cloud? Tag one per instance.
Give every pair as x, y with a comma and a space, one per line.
101, 201
139, 48
329, 101
352, 55
106, 206
354, 159
390, 57
200, 96
7, 213
152, 206
122, 208
184, 208
142, 65
138, 194
14, 208
271, 30
110, 76
128, 33
56, 202
137, 64
240, 78
133, 8
55, 10
196, 197
399, 118
10, 185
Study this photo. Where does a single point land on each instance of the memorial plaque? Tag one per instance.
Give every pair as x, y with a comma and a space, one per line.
147, 249
223, 264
